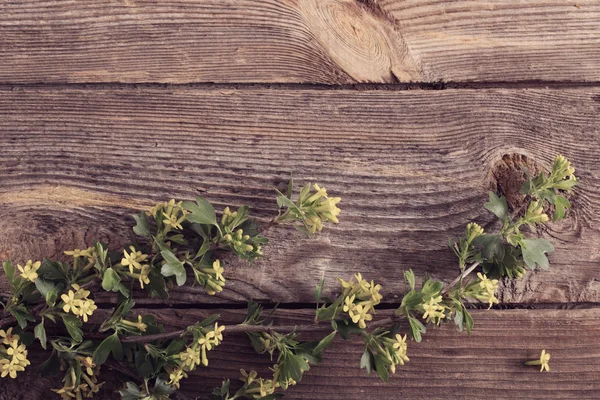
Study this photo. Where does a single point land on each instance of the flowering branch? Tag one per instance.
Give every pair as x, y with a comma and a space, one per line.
176, 240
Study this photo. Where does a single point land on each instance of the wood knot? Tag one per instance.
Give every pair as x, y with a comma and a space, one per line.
363, 44
507, 176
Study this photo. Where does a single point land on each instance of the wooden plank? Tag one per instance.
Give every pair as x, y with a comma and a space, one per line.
413, 169
447, 364
309, 41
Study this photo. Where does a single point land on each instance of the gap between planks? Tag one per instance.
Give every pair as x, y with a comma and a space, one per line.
400, 86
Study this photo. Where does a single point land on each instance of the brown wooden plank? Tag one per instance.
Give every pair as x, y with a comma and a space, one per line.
447, 364
413, 169
309, 41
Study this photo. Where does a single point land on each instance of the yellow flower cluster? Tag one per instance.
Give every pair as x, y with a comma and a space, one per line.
487, 289
257, 388
195, 354
173, 214
29, 271
215, 280
395, 351
77, 302
360, 299
134, 260
323, 207
535, 213
88, 385
89, 253
473, 231
434, 309
13, 356
239, 241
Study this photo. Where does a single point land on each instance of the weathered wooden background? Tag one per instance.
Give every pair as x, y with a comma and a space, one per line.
410, 109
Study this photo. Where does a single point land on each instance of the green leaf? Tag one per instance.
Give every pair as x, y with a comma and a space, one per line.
111, 344
293, 366
498, 206
367, 361
173, 266
201, 212
560, 205
324, 343
533, 252
110, 279
416, 328
21, 315
346, 328
142, 226
51, 366
40, 333
319, 289
48, 290
381, 364
9, 270
490, 245
72, 324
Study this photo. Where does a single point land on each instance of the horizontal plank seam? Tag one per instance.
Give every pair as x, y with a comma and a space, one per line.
529, 84
381, 307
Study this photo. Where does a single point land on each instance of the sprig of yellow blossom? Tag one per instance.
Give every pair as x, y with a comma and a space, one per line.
360, 299
195, 354
29, 271
88, 383
134, 260
78, 303
13, 356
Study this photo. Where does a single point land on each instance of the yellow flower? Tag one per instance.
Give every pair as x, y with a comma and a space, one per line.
10, 369
18, 353
487, 289
79, 253
401, 348
133, 259
433, 309
535, 213
78, 303
87, 308
248, 377
314, 223
360, 316
321, 192
29, 271
190, 358
349, 303
205, 342
218, 332
7, 336
71, 303
544, 361
176, 376
144, 277
218, 270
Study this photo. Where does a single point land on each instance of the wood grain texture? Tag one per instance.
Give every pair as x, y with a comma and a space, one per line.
413, 169
307, 41
447, 364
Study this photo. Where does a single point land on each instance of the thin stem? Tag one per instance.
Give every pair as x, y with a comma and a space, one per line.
460, 277
243, 328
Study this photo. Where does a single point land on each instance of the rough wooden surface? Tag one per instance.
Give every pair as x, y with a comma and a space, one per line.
83, 150
307, 41
413, 169
447, 364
